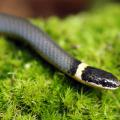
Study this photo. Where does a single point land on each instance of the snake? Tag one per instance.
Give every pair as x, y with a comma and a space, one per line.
44, 46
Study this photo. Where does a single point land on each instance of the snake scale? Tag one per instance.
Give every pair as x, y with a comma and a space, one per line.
51, 52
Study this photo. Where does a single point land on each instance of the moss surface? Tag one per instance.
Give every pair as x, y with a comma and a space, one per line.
32, 89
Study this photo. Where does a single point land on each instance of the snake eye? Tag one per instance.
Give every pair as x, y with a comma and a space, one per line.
100, 78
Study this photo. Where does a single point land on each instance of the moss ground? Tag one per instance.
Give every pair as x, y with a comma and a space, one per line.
31, 89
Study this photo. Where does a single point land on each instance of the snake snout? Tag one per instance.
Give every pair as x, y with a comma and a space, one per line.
111, 83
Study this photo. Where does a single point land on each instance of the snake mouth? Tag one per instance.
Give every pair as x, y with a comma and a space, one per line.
107, 87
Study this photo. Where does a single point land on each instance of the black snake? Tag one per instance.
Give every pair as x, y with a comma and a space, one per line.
51, 52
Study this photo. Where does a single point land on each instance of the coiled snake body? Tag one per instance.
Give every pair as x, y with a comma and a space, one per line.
51, 52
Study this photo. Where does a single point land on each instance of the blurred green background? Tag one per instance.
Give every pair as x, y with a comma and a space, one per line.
31, 89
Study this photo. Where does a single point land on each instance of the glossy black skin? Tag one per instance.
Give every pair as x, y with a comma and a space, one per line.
100, 77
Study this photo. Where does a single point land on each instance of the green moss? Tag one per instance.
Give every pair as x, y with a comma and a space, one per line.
32, 89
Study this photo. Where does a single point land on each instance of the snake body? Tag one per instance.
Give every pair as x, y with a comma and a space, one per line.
51, 52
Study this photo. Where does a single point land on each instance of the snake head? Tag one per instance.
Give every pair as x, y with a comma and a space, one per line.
99, 78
